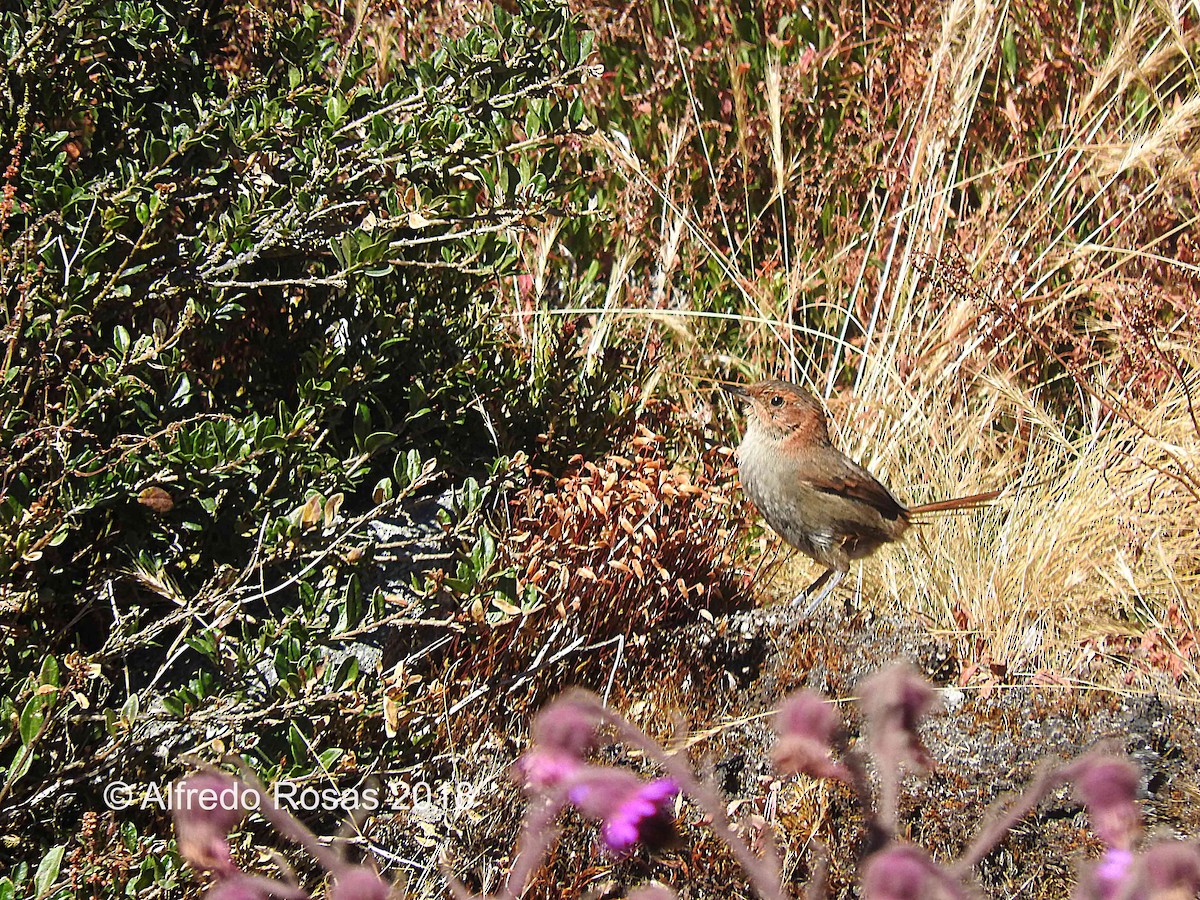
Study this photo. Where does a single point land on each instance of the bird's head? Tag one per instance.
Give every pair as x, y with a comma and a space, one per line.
782, 411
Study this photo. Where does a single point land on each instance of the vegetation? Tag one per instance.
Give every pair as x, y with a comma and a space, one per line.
556, 776
358, 369
251, 306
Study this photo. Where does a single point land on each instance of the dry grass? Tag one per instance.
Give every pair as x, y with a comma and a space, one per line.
1096, 538
1012, 308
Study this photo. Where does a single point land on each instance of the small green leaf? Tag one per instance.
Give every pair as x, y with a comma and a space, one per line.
330, 757
1009, 50
182, 391
47, 870
49, 672
32, 717
378, 439
130, 709
173, 705
298, 745
335, 108
21, 766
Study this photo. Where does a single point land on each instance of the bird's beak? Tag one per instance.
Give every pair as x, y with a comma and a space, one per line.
736, 390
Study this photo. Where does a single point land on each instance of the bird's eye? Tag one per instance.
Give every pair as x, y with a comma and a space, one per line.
777, 400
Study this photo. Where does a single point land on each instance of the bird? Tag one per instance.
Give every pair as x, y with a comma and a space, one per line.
815, 497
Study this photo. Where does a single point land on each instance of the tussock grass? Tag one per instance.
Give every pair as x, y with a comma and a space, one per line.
1008, 302
1095, 540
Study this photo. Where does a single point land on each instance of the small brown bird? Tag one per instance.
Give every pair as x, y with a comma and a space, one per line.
818, 500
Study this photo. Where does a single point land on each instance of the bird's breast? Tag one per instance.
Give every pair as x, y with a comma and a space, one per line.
827, 526
769, 479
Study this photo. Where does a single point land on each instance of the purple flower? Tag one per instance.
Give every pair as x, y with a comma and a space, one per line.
894, 700
358, 883
631, 811
1107, 876
206, 807
1108, 787
907, 873
644, 816
807, 725
562, 735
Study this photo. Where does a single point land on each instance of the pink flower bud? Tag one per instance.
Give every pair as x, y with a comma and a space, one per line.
1108, 787
236, 888
543, 770
894, 700
251, 887
1171, 870
806, 725
566, 726
907, 873
358, 883
562, 735
651, 892
206, 807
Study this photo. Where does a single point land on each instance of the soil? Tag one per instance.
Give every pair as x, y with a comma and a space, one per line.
728, 674
712, 685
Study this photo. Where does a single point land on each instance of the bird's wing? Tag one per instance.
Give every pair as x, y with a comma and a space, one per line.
853, 482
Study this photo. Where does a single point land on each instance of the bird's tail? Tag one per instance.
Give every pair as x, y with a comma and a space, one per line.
957, 503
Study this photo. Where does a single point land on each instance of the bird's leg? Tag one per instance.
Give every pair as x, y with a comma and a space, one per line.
815, 586
822, 587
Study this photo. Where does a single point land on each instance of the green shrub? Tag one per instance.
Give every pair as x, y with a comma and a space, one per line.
249, 300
